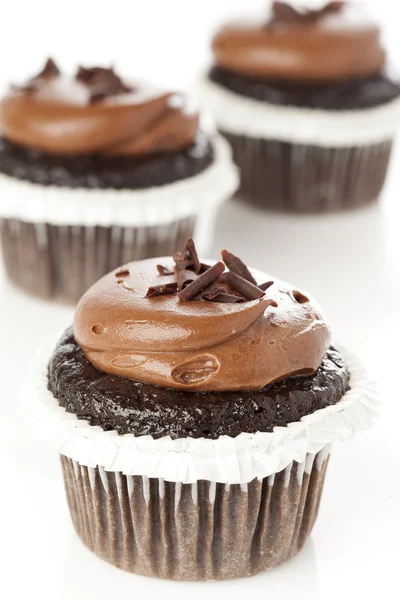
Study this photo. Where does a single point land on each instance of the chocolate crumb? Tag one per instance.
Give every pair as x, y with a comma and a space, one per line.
122, 273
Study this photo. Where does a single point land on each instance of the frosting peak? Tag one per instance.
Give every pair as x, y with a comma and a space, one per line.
335, 43
225, 331
94, 112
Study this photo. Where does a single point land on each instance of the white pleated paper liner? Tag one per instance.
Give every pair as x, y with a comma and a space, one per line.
55, 205
241, 115
186, 460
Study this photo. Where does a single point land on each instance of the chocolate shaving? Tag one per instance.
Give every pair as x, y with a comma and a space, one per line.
185, 278
102, 83
164, 271
236, 265
287, 14
198, 281
243, 287
265, 286
202, 281
162, 290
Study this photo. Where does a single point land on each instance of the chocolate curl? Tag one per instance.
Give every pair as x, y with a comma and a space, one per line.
181, 260
50, 69
223, 297
191, 250
185, 278
284, 12
188, 258
164, 271
236, 265
162, 290
102, 83
264, 286
204, 267
332, 7
246, 289
205, 279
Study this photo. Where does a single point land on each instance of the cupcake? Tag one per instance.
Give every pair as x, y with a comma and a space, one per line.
308, 106
96, 171
194, 406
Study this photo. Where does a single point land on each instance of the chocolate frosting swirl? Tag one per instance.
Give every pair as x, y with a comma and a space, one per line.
336, 43
197, 345
94, 112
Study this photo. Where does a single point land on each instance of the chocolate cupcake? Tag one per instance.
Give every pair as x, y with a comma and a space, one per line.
194, 407
308, 106
96, 171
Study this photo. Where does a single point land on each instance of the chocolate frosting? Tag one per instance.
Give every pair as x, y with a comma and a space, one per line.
94, 112
197, 345
311, 46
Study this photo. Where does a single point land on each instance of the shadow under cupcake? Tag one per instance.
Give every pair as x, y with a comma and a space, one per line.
194, 407
308, 106
95, 172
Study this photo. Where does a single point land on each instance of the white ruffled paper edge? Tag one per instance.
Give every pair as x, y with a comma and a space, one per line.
239, 115
186, 460
165, 204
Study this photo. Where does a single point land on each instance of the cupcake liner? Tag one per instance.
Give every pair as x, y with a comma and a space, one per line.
57, 241
62, 262
236, 460
199, 531
162, 205
242, 116
298, 178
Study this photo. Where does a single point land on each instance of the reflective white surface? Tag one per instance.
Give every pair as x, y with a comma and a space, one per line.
350, 263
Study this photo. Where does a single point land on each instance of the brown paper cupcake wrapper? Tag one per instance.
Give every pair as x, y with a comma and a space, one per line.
310, 179
61, 262
198, 531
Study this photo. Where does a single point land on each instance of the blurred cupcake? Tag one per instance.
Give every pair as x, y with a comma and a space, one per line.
307, 105
94, 172
194, 407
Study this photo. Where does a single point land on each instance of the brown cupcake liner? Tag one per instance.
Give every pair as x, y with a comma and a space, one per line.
200, 531
60, 262
309, 179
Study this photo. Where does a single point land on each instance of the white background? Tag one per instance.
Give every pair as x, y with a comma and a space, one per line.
350, 263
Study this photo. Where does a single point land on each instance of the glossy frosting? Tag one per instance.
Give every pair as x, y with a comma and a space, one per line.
59, 114
334, 47
197, 345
